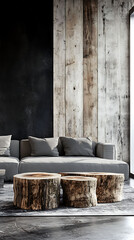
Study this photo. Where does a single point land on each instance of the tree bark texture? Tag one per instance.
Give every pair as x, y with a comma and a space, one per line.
36, 191
79, 191
109, 185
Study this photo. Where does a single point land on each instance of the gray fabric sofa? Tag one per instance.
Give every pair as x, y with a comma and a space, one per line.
11, 164
102, 162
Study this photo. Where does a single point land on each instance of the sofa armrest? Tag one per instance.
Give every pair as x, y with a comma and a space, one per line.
106, 150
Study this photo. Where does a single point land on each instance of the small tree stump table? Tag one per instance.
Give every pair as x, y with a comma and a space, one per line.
79, 191
36, 191
109, 185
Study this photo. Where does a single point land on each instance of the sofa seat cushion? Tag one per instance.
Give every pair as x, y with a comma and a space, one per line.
72, 164
10, 164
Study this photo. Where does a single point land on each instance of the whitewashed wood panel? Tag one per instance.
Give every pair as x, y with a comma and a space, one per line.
59, 74
101, 71
74, 68
109, 80
124, 90
90, 35
113, 75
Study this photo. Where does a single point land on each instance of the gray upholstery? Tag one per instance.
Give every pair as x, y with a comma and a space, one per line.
72, 164
44, 146
105, 150
94, 144
77, 146
5, 145
10, 164
58, 164
14, 148
25, 148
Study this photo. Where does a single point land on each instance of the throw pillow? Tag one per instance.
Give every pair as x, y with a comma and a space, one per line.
5, 142
77, 146
44, 146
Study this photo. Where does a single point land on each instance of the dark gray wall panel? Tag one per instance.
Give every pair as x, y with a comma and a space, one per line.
26, 74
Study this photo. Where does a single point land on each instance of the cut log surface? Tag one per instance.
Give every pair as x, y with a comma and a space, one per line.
109, 185
79, 191
36, 191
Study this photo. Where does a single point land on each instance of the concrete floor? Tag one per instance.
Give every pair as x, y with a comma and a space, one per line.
95, 228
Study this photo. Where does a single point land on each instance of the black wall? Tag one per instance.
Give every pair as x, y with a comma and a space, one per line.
26, 74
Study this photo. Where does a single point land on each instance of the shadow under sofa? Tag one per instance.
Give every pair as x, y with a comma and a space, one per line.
102, 162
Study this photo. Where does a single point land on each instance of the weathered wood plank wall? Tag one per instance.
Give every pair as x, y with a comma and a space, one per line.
103, 39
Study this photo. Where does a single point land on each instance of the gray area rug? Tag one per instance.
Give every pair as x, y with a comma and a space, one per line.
125, 207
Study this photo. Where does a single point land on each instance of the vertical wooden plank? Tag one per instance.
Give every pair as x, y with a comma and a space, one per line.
90, 113
59, 68
101, 71
108, 71
131, 90
74, 68
112, 72
123, 46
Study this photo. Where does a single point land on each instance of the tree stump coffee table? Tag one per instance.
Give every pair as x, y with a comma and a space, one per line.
109, 185
36, 191
79, 191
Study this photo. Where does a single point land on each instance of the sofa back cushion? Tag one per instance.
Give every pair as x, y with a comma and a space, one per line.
44, 146
5, 142
25, 148
77, 146
94, 144
14, 148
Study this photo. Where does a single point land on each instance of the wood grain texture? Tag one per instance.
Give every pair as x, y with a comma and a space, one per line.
124, 91
36, 191
113, 75
90, 95
79, 191
74, 68
109, 185
59, 87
